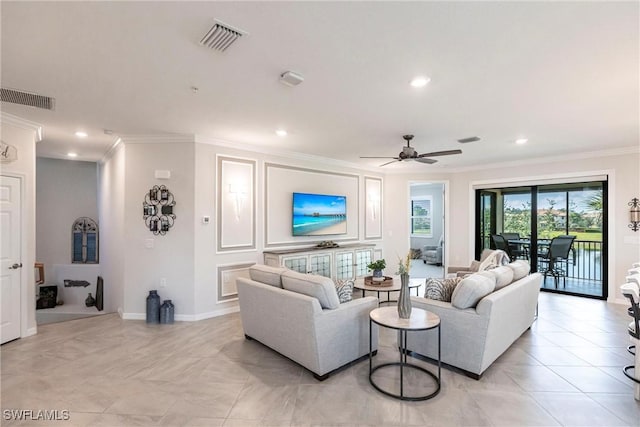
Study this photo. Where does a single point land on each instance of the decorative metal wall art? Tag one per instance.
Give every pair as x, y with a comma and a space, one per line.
158, 209
84, 241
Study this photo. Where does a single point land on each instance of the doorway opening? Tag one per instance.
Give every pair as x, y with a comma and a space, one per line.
427, 229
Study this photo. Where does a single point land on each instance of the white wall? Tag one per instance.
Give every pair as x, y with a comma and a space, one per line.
111, 193
208, 261
172, 255
624, 245
65, 191
23, 135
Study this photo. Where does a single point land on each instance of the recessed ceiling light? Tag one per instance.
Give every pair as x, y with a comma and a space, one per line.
81, 134
70, 154
420, 81
281, 132
521, 141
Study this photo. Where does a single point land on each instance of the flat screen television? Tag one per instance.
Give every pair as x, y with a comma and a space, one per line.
319, 214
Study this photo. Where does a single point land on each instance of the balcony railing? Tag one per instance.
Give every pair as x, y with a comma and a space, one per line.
585, 260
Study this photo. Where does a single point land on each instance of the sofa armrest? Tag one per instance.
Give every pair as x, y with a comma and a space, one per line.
343, 333
463, 335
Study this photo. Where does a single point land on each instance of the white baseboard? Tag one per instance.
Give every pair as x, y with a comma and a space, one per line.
133, 316
31, 331
184, 317
618, 301
216, 313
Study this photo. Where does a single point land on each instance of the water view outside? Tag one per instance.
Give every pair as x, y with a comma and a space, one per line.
319, 214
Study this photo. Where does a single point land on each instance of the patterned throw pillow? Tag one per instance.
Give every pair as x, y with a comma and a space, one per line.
441, 289
344, 288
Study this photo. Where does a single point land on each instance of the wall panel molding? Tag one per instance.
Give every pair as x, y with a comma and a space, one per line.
236, 204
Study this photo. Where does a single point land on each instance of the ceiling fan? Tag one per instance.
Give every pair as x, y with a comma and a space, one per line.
410, 153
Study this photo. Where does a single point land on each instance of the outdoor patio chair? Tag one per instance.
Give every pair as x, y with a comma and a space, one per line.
501, 243
518, 250
551, 261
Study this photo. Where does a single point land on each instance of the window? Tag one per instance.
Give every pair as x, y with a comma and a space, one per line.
421, 216
84, 241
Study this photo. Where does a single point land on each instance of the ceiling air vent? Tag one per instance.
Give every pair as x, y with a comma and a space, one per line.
468, 140
221, 36
26, 98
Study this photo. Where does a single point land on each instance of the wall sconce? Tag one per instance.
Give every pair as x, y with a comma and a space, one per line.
634, 214
373, 202
239, 193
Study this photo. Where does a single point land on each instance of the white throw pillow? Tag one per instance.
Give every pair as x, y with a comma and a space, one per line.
472, 289
504, 276
520, 269
267, 274
319, 287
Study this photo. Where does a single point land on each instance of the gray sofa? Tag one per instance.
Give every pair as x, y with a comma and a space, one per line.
300, 316
474, 337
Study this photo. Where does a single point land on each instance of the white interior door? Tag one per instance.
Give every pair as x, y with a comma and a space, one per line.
10, 264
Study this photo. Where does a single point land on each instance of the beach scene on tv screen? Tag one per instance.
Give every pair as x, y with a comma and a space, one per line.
319, 214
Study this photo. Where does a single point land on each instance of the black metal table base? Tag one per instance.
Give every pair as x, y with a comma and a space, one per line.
404, 364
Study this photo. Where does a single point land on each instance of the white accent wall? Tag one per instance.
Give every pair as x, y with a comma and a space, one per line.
197, 266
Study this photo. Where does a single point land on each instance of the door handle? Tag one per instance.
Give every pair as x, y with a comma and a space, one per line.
15, 266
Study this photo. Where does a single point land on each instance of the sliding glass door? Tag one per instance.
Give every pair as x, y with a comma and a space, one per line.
535, 219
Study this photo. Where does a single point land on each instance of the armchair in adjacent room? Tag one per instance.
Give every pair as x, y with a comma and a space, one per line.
433, 254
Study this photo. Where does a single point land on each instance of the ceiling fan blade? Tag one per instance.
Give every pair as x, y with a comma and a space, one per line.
426, 160
440, 153
378, 157
392, 161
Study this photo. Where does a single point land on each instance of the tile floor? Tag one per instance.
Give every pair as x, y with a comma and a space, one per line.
105, 371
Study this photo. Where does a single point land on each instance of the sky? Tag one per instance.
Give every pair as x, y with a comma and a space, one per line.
579, 197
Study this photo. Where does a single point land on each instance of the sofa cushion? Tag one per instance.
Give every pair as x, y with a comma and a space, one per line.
319, 287
472, 289
267, 274
344, 289
503, 275
520, 269
441, 289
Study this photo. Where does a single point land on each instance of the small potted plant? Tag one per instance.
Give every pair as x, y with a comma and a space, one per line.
377, 267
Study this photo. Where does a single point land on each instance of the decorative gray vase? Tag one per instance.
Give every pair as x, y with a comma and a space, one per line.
404, 300
153, 307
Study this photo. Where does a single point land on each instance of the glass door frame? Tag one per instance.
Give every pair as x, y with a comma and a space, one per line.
533, 256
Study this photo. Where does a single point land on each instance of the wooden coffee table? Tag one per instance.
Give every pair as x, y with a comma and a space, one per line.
395, 287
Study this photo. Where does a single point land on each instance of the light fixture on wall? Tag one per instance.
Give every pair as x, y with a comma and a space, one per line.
374, 200
239, 193
634, 214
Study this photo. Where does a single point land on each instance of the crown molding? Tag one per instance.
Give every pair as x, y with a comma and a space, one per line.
109, 153
549, 159
157, 139
23, 124
287, 154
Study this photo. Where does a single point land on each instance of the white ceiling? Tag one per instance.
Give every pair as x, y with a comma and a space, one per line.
562, 74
